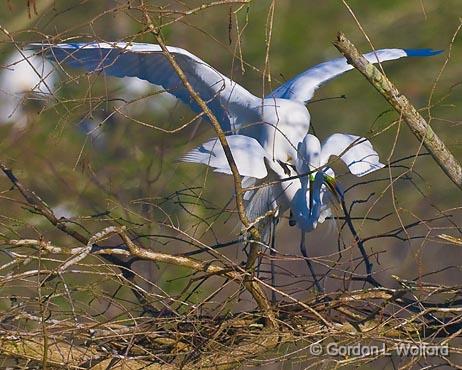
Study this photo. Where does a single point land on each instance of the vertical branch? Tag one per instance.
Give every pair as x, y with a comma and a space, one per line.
255, 289
419, 127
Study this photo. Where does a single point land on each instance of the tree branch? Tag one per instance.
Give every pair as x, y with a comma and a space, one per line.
257, 293
420, 128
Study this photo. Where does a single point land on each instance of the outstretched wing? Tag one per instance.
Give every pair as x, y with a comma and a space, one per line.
247, 153
355, 151
302, 87
148, 62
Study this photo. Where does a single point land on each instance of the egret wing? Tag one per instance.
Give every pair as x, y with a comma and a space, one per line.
148, 62
355, 151
302, 87
267, 195
247, 153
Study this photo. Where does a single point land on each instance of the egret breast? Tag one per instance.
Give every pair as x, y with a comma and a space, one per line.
284, 124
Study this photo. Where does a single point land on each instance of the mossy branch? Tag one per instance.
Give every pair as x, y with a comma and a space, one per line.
418, 125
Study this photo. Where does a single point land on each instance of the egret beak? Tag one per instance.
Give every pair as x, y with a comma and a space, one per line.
332, 185
312, 176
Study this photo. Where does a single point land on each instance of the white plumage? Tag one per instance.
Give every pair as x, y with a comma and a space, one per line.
360, 161
24, 76
247, 152
312, 157
278, 122
302, 86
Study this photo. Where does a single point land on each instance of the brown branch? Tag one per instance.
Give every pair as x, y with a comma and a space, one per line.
224, 349
257, 293
251, 285
43, 209
418, 125
197, 265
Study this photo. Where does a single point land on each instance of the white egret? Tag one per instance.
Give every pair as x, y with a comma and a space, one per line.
278, 122
24, 76
306, 193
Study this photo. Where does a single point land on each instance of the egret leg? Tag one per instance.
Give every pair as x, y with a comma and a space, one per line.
303, 250
359, 243
258, 266
274, 222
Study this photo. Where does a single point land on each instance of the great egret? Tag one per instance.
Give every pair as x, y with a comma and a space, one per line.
24, 76
278, 122
304, 188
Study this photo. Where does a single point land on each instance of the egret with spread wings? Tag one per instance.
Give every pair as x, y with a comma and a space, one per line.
274, 126
278, 121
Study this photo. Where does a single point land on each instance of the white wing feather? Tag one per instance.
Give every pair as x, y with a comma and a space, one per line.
302, 86
247, 153
356, 152
148, 62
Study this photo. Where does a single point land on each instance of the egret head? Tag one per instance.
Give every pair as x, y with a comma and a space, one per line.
309, 154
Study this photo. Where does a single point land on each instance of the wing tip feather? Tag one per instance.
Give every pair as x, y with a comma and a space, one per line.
422, 52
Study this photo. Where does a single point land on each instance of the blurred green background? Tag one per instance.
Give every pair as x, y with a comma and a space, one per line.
128, 173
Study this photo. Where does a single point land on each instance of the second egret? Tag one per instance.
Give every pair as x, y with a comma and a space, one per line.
304, 188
